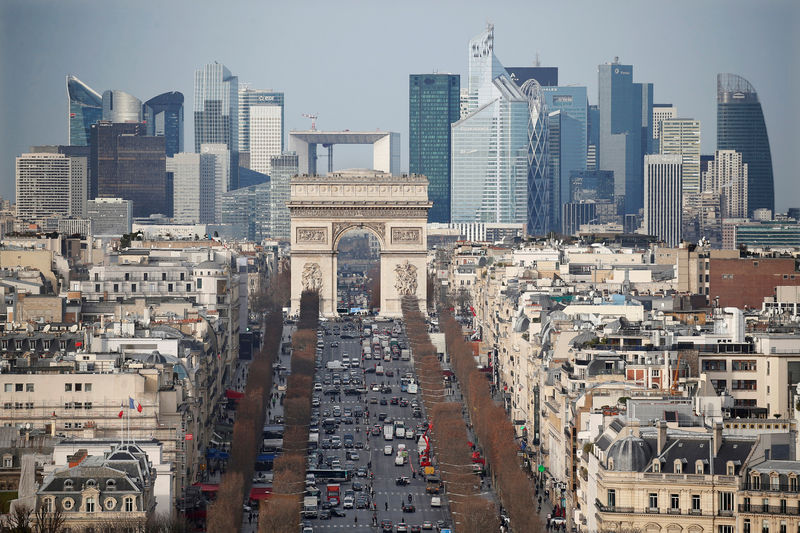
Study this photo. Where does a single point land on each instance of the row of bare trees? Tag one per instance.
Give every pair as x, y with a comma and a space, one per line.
225, 514
493, 429
281, 512
448, 435
54, 520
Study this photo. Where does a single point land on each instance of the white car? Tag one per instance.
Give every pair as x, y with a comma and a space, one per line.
436, 501
399, 460
388, 450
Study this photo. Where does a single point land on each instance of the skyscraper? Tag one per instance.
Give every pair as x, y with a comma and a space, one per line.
261, 133
681, 136
433, 105
50, 186
119, 106
221, 158
247, 209
489, 148
163, 115
663, 197
216, 112
545, 76
555, 121
193, 176
741, 127
625, 132
284, 167
662, 112
592, 137
85, 108
573, 103
728, 176
127, 164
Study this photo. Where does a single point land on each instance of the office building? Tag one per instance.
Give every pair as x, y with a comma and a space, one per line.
490, 179
662, 112
110, 216
119, 106
592, 137
267, 129
554, 125
544, 76
741, 127
573, 104
576, 214
50, 186
216, 112
220, 157
663, 197
433, 105
80, 187
727, 176
681, 136
163, 115
249, 177
130, 165
283, 168
625, 134
247, 209
193, 176
597, 185
463, 108
85, 108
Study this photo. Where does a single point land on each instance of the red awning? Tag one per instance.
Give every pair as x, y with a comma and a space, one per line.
234, 395
207, 487
260, 493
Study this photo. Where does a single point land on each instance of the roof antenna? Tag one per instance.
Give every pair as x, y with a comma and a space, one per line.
537, 62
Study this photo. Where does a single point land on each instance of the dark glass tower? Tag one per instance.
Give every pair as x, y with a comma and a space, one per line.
216, 113
545, 76
128, 164
163, 115
433, 105
741, 127
85, 108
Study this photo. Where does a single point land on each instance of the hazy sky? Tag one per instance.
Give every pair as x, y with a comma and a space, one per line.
350, 61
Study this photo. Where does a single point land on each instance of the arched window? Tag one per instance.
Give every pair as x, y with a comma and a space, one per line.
755, 481
730, 468
129, 504
698, 467
656, 465
91, 483
610, 463
678, 466
89, 504
68, 484
111, 484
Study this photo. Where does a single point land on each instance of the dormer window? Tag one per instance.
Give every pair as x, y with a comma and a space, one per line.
730, 468
111, 484
656, 465
677, 466
698, 467
91, 483
68, 484
755, 481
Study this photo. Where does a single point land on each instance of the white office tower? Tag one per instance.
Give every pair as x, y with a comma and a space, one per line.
663, 198
681, 136
266, 136
222, 175
727, 176
662, 112
50, 186
194, 186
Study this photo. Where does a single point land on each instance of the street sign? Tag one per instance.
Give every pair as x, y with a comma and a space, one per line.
446, 530
541, 468
188, 436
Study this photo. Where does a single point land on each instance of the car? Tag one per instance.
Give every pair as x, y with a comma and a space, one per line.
402, 481
415, 529
409, 508
399, 460
362, 502
386, 389
348, 420
403, 402
361, 472
334, 344
386, 526
352, 456
348, 502
369, 370
318, 387
375, 387
436, 501
395, 400
308, 529
389, 373
337, 411
358, 444
427, 525
402, 528
358, 486
315, 402
375, 432
383, 401
324, 515
326, 504
416, 413
388, 450
382, 416
337, 513
326, 413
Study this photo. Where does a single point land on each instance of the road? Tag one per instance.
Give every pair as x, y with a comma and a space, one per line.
388, 497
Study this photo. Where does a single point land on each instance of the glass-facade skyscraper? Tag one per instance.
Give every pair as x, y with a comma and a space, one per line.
741, 127
573, 104
85, 109
433, 105
626, 130
216, 112
119, 106
163, 115
283, 167
545, 76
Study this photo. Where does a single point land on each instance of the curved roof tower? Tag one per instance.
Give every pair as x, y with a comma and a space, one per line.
119, 106
85, 108
163, 115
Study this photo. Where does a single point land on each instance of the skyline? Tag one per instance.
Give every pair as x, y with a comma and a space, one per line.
736, 37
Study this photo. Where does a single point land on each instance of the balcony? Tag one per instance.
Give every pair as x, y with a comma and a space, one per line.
612, 509
768, 509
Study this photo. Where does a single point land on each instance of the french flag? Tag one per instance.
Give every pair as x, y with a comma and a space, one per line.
134, 405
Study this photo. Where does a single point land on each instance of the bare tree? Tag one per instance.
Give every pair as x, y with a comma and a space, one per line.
49, 520
19, 520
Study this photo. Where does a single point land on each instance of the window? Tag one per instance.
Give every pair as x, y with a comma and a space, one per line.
28, 405
78, 405
47, 505
110, 503
656, 465
87, 387
695, 502
793, 484
78, 387
29, 387
129, 504
145, 276
730, 468
67, 387
116, 287
188, 287
714, 365
90, 505
163, 276
8, 462
67, 405
169, 287
699, 467
7, 405
783, 506
744, 384
8, 387
783, 526
765, 526
755, 482
726, 501
725, 529
67, 503
67, 425
87, 405
96, 287
17, 405
743, 365
746, 526
677, 466
68, 484
612, 498
182, 276
653, 500
17, 387
674, 501
127, 276
199, 283
133, 287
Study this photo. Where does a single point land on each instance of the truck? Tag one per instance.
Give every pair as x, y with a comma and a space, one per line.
332, 491
310, 506
388, 432
334, 365
412, 388
405, 355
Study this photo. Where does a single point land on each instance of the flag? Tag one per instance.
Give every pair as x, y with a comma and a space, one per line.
138, 407
54, 413
131, 405
120, 413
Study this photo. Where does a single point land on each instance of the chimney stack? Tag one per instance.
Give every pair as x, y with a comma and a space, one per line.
662, 435
717, 437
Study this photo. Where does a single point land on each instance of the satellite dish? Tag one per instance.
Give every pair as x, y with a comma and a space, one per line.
46, 328
73, 328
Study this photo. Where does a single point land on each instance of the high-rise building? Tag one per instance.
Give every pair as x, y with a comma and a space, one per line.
109, 216
555, 124
573, 103
728, 176
626, 121
463, 107
433, 105
261, 133
128, 164
247, 209
216, 112
663, 196
662, 112
85, 108
544, 76
284, 167
489, 147
681, 136
741, 127
163, 115
575, 214
592, 137
193, 177
119, 106
597, 185
50, 186
221, 158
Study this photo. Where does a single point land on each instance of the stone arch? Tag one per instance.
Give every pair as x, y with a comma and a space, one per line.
652, 527
340, 229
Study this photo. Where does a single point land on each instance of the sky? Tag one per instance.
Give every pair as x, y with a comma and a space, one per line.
349, 61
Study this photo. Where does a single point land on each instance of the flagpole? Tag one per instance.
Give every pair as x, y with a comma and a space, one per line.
122, 431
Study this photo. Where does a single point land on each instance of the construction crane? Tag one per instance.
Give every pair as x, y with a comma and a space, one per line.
313, 117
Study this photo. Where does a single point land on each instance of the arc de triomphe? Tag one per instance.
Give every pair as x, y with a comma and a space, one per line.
393, 208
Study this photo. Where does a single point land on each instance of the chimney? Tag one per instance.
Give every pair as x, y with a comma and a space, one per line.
662, 435
717, 437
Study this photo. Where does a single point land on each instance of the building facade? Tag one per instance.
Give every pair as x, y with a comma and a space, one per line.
269, 128
50, 185
574, 106
119, 106
248, 209
663, 205
681, 136
193, 175
163, 115
110, 216
727, 175
662, 112
741, 127
85, 109
433, 105
216, 112
221, 158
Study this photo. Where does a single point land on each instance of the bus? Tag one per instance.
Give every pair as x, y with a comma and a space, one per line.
331, 474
